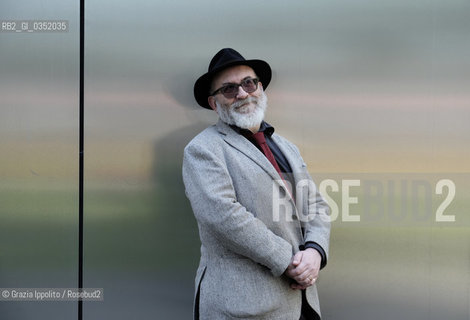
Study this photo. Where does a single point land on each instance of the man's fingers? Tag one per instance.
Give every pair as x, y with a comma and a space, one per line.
307, 265
303, 284
306, 278
301, 268
297, 259
306, 281
297, 286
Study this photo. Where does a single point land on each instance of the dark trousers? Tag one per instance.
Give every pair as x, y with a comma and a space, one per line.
307, 312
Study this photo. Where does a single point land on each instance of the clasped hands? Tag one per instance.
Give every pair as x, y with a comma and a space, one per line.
304, 268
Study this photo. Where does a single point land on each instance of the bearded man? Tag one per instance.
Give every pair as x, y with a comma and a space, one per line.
264, 227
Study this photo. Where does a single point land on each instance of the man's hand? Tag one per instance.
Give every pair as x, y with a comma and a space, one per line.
304, 268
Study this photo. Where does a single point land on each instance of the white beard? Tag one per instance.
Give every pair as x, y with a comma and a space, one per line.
230, 115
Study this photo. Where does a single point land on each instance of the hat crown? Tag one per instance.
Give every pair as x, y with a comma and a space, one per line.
223, 57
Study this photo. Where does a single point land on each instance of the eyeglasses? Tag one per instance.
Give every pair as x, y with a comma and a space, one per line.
230, 90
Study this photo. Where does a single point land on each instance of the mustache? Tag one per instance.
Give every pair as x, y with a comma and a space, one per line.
238, 104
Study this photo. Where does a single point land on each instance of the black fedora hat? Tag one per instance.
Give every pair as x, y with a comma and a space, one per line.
225, 58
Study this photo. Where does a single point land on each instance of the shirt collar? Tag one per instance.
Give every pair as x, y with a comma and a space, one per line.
264, 127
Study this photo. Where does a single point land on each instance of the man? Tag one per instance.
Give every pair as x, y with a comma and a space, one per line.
263, 226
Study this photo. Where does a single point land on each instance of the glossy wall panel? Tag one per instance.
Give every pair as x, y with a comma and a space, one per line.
374, 93
366, 89
39, 158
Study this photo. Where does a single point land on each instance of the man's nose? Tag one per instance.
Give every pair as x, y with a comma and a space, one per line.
242, 94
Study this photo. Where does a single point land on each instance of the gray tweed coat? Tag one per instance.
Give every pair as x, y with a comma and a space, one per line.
249, 226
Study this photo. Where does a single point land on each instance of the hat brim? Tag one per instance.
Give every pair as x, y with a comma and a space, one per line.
202, 85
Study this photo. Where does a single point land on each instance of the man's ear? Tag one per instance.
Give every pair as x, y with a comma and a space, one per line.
212, 104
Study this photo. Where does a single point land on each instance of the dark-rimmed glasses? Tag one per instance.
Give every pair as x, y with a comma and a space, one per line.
230, 90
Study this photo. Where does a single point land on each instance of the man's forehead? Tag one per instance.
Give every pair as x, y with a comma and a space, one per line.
234, 74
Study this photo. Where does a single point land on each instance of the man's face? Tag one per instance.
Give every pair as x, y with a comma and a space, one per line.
245, 110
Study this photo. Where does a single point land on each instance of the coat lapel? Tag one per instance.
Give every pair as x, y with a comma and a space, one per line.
291, 156
246, 147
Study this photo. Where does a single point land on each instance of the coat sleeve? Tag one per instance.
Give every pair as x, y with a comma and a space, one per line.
317, 225
317, 222
214, 202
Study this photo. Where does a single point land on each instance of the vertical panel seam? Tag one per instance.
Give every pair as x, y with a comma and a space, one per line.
81, 156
